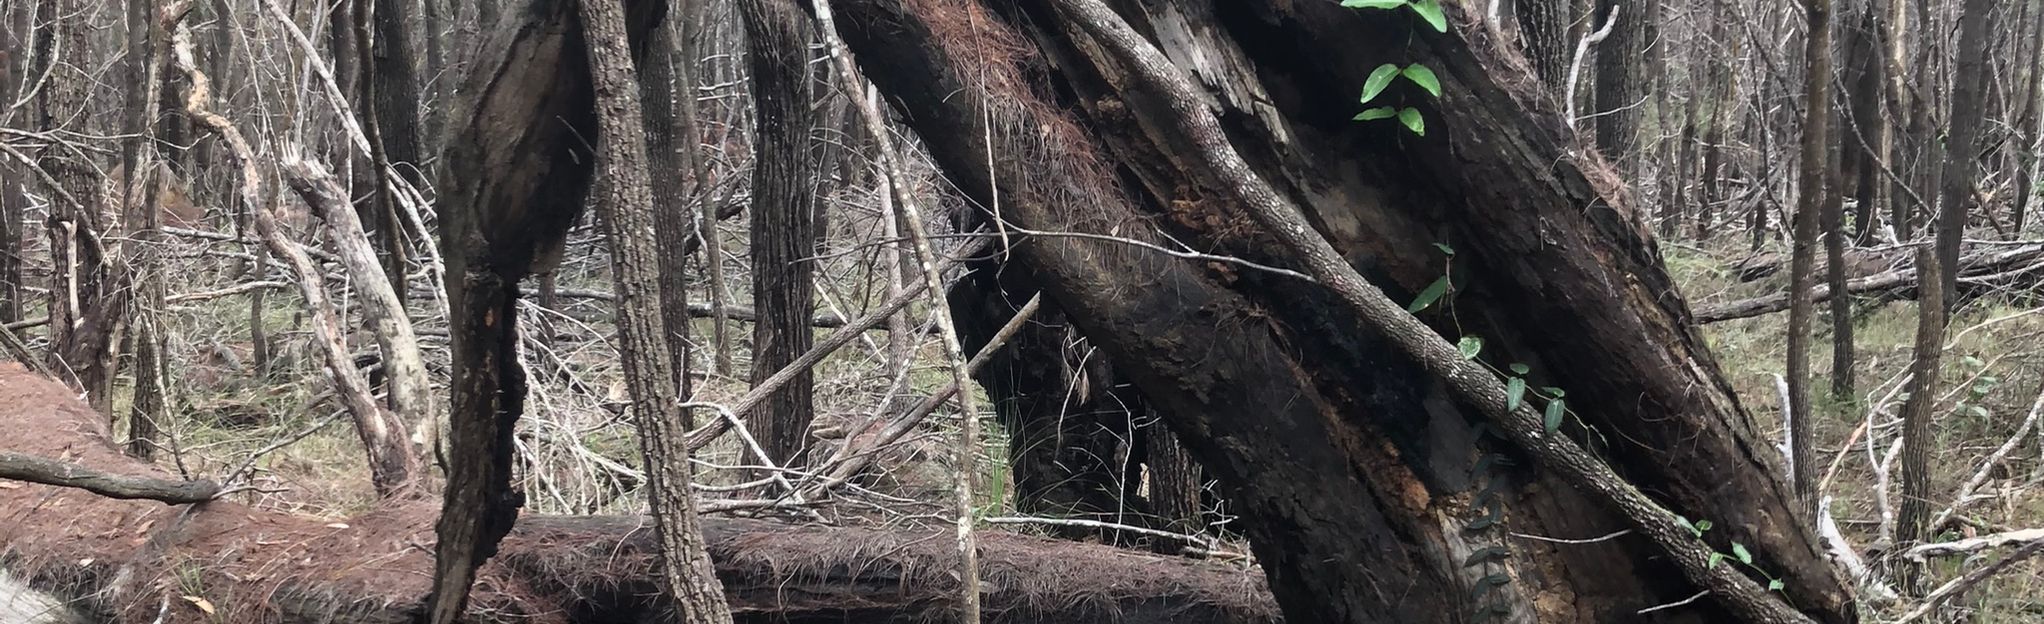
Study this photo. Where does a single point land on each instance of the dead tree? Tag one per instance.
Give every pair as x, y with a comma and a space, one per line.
517, 174
1311, 425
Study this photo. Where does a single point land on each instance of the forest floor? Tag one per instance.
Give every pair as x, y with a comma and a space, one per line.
578, 455
1993, 376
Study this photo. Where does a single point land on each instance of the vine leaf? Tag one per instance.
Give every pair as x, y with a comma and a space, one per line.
1381, 112
1430, 10
1485, 555
1555, 412
1424, 77
1378, 80
1469, 347
1745, 556
1373, 4
1775, 585
1432, 293
1515, 392
1410, 117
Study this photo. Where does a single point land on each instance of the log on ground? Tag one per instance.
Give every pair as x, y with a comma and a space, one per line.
122, 561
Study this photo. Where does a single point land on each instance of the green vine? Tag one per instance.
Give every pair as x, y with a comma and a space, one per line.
1417, 73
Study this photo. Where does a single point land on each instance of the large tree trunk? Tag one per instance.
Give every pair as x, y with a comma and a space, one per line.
1355, 470
784, 223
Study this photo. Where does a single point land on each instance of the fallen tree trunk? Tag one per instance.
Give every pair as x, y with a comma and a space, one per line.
121, 560
63, 474
2013, 267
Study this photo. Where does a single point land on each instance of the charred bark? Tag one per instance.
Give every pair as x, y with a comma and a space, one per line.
1338, 448
517, 174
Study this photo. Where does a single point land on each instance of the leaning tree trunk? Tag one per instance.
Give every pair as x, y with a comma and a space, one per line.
784, 224
1355, 470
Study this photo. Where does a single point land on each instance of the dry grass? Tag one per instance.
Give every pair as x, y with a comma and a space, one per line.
1991, 377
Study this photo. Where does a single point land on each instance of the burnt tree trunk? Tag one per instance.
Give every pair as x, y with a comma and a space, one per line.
784, 224
517, 171
1354, 469
1069, 420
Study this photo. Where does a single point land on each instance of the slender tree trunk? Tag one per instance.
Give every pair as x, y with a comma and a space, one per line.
624, 203
145, 218
1833, 218
1810, 200
14, 42
670, 212
394, 76
784, 224
1919, 410
2031, 141
1544, 29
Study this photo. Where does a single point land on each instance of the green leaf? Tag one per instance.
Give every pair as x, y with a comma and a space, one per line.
1554, 392
1745, 556
1520, 368
1555, 412
1381, 112
1688, 525
1373, 4
1410, 117
1715, 559
1977, 411
1972, 362
1430, 10
1378, 80
1701, 526
1427, 297
1445, 248
1424, 77
1515, 392
1484, 555
1775, 585
1470, 346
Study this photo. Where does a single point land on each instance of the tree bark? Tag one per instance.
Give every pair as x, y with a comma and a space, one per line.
1325, 495
784, 222
624, 204
85, 306
516, 175
672, 229
1913, 520
1624, 82
1810, 203
141, 212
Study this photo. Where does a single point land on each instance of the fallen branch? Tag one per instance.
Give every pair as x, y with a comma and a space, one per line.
1979, 270
34, 469
1976, 544
1948, 591
704, 310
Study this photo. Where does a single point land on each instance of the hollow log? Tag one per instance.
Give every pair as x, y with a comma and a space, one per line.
121, 560
1364, 487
